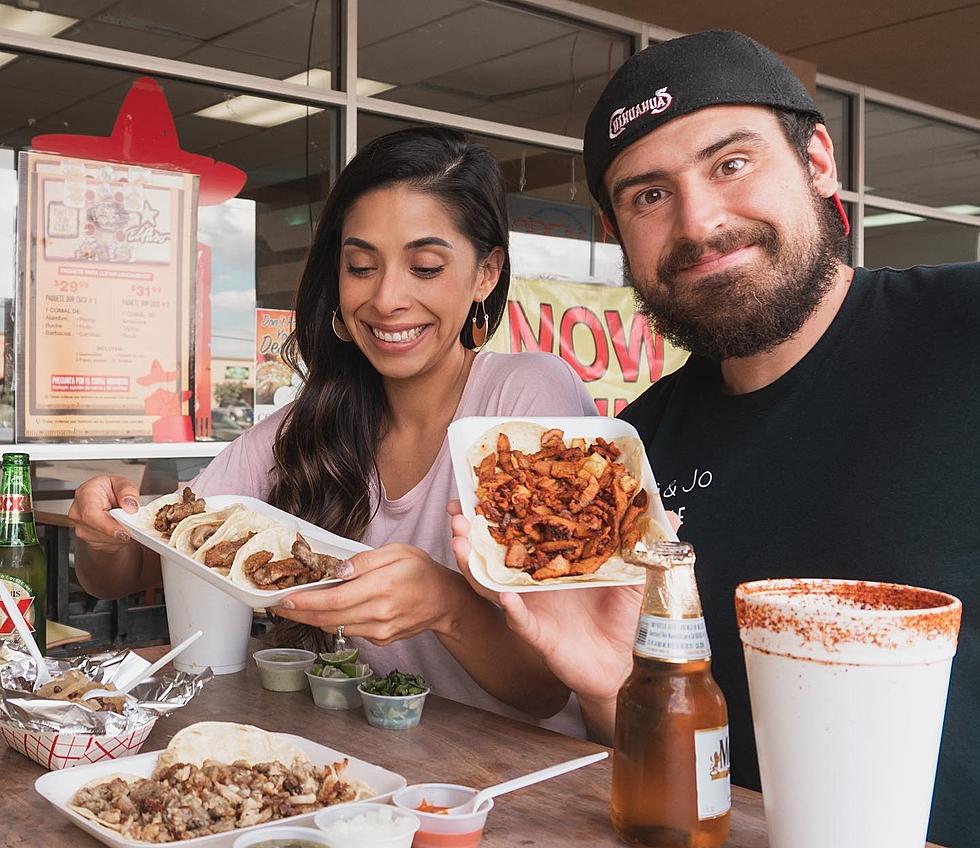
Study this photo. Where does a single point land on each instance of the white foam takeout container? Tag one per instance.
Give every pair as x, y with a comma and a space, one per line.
58, 788
466, 432
322, 541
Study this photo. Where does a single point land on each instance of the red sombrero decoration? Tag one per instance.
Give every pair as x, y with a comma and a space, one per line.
144, 134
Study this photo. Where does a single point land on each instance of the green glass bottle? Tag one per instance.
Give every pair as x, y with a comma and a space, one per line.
23, 566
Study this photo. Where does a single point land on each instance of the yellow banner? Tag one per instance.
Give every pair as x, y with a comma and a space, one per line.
595, 329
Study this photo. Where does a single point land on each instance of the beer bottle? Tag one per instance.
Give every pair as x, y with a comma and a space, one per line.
23, 566
670, 784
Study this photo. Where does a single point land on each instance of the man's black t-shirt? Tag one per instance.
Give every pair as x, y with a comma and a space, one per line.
861, 462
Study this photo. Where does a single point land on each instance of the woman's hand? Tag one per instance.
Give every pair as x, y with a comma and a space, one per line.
390, 593
90, 517
108, 563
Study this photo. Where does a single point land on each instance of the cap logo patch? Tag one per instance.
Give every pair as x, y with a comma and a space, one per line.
621, 118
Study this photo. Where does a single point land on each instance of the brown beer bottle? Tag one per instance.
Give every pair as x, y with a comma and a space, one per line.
670, 786
23, 566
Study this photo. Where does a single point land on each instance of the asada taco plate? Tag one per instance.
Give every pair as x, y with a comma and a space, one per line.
116, 802
553, 502
206, 535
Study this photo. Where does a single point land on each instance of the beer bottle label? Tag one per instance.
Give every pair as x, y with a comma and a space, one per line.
23, 596
712, 767
671, 639
16, 507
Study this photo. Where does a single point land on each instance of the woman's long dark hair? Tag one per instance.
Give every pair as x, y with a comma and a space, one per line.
326, 445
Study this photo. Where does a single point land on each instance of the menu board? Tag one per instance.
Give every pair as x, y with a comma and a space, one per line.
107, 262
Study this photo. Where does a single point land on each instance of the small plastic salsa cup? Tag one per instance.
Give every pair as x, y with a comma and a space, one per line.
336, 693
283, 669
438, 830
392, 712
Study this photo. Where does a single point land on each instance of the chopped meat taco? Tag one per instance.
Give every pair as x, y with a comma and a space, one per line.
278, 558
162, 515
191, 534
218, 551
215, 777
551, 509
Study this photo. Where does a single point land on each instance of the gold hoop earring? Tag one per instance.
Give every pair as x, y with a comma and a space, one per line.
478, 332
340, 329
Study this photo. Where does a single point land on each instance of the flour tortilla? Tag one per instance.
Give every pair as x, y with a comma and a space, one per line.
181, 537
148, 513
526, 437
228, 742
277, 539
242, 522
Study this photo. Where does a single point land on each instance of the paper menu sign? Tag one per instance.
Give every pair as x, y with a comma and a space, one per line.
107, 262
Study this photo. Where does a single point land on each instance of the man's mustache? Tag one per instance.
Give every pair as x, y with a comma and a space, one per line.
687, 253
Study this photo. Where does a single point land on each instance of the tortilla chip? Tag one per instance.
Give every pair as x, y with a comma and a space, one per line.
526, 437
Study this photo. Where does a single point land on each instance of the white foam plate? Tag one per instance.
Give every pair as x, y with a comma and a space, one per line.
465, 432
322, 541
58, 787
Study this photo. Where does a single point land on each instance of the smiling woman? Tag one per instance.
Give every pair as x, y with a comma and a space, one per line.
408, 270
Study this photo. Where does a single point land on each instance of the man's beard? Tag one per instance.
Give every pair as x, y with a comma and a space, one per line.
748, 310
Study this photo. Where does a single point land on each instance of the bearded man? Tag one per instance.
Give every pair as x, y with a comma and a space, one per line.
823, 423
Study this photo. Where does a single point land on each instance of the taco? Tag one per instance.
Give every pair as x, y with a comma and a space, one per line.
278, 558
162, 515
188, 536
99, 799
551, 510
218, 551
228, 742
215, 777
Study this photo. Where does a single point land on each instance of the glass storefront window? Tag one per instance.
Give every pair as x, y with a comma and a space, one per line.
257, 240
279, 39
487, 60
835, 108
919, 159
554, 233
897, 240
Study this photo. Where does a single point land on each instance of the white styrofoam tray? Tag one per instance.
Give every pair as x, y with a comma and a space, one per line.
58, 787
322, 541
466, 432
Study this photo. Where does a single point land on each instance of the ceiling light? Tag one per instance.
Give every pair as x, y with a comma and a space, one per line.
263, 112
31, 23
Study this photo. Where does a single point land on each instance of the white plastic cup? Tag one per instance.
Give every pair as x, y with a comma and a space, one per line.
193, 604
848, 684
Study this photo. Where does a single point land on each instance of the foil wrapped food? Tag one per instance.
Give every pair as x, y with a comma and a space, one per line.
158, 696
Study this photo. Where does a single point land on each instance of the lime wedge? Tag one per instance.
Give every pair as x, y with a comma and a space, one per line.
338, 658
355, 669
331, 673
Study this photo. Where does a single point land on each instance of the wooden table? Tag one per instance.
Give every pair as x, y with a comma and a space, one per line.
453, 744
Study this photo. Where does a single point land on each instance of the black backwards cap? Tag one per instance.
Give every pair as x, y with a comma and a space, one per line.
678, 77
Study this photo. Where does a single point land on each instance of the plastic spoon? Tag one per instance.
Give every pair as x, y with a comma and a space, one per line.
10, 605
146, 673
483, 795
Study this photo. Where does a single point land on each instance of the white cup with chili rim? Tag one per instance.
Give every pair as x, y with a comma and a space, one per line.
848, 682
